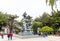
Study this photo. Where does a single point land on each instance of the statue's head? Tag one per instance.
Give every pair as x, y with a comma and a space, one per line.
24, 15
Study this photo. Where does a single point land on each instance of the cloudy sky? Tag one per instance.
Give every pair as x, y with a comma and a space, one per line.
33, 8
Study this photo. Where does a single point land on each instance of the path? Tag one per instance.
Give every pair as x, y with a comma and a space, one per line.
49, 38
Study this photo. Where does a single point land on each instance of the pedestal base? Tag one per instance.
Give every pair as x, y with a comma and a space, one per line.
27, 36
24, 35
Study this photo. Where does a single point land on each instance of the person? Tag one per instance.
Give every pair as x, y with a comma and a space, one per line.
10, 35
45, 34
2, 36
41, 34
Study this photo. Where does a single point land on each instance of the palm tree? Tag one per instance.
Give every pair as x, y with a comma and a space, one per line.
52, 3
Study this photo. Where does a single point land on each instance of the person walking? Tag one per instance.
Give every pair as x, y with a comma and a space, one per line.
2, 35
10, 35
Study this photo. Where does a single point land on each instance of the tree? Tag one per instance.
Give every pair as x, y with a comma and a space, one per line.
21, 23
52, 20
6, 19
3, 17
46, 29
3, 20
58, 29
52, 3
55, 20
11, 21
44, 17
35, 26
37, 19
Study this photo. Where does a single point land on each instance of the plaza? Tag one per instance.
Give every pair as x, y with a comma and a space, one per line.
49, 38
29, 20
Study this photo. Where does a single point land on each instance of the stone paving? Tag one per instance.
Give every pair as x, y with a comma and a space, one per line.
49, 38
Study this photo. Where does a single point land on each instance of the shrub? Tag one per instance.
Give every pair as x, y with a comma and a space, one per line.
58, 30
46, 29
17, 31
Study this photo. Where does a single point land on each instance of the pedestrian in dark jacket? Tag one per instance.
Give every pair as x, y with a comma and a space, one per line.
8, 36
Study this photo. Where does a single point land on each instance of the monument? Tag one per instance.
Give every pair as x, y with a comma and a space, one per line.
26, 31
26, 28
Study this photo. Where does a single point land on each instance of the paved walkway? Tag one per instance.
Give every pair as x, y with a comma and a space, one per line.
49, 38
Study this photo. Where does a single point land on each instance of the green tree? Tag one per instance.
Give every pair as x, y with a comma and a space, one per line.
52, 20
21, 23
55, 20
44, 17
46, 29
58, 30
3, 20
3, 17
11, 19
52, 3
37, 19
17, 30
35, 26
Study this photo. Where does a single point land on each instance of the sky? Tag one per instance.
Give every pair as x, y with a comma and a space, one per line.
33, 8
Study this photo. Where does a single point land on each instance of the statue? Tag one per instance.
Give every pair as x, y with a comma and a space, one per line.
24, 15
26, 29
